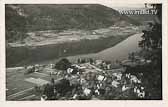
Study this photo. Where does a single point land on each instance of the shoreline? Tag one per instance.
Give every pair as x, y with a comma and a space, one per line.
42, 58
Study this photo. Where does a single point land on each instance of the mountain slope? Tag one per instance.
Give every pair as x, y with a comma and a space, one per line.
65, 16
33, 17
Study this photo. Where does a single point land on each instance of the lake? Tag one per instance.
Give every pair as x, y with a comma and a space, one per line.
117, 52
111, 48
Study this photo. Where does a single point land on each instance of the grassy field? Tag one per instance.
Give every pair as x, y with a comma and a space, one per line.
20, 89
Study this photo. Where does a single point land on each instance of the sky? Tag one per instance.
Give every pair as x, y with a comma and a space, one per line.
125, 6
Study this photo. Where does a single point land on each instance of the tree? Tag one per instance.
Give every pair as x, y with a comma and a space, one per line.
132, 56
49, 91
91, 60
52, 81
152, 50
15, 24
63, 64
151, 45
152, 39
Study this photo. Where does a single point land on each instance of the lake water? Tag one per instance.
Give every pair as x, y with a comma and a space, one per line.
51, 53
117, 52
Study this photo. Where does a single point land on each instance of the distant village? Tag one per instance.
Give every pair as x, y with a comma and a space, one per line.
89, 79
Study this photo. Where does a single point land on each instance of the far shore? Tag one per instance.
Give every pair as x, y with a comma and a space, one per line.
20, 56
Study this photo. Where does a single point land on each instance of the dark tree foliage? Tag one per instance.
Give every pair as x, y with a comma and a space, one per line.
63, 86
152, 39
15, 25
52, 81
151, 45
57, 90
49, 91
63, 64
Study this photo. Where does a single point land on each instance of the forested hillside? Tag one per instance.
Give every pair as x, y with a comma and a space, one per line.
24, 18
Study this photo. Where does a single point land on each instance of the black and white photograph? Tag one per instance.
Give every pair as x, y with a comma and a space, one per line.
83, 52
